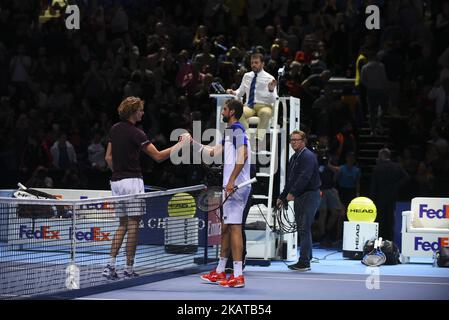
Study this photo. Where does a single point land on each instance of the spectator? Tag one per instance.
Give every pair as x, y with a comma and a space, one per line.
348, 180
119, 20
33, 156
40, 179
374, 78
441, 144
96, 153
205, 59
200, 38
330, 206
73, 178
133, 87
63, 153
119, 40
393, 63
313, 85
294, 78
20, 68
387, 178
440, 93
425, 179
361, 89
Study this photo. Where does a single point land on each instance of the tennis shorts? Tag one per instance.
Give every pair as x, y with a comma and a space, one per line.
128, 208
235, 205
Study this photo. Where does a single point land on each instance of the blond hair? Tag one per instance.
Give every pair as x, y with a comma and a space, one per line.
128, 107
302, 134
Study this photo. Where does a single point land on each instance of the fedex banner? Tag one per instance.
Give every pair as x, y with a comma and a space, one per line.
430, 243
430, 212
96, 223
49, 233
59, 233
428, 229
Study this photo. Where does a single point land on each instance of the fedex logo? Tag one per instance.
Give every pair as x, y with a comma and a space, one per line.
43, 232
94, 234
426, 245
434, 214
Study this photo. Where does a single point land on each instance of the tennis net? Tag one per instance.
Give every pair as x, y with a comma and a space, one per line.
49, 247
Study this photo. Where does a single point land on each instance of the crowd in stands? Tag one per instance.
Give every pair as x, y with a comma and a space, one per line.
60, 88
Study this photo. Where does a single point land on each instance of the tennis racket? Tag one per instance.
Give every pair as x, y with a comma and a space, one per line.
376, 257
39, 211
24, 192
211, 198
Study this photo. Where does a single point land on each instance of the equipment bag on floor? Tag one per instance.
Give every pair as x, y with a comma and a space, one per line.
442, 256
389, 248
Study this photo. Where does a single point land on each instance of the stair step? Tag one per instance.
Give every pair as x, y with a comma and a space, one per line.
376, 136
372, 147
367, 166
260, 197
368, 129
368, 159
271, 130
263, 153
373, 143
263, 174
368, 151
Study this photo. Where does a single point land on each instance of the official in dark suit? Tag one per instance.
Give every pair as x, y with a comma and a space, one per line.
387, 178
302, 187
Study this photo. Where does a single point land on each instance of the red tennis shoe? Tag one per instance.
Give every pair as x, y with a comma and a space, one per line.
214, 277
233, 282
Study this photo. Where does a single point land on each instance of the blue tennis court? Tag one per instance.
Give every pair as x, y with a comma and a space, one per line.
332, 278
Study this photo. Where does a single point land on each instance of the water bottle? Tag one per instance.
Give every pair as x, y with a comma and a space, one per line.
435, 259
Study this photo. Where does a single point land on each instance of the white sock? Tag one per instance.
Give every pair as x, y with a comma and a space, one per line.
221, 265
238, 268
129, 269
112, 261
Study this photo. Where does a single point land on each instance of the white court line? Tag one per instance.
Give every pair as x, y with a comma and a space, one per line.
353, 280
96, 299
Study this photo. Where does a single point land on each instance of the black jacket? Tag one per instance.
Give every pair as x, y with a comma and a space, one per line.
302, 175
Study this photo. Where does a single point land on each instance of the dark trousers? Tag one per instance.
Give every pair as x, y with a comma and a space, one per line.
376, 99
306, 206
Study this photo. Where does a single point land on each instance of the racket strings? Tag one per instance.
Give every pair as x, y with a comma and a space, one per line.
375, 257
210, 199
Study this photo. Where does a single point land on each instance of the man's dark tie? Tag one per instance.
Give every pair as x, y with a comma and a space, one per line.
252, 89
